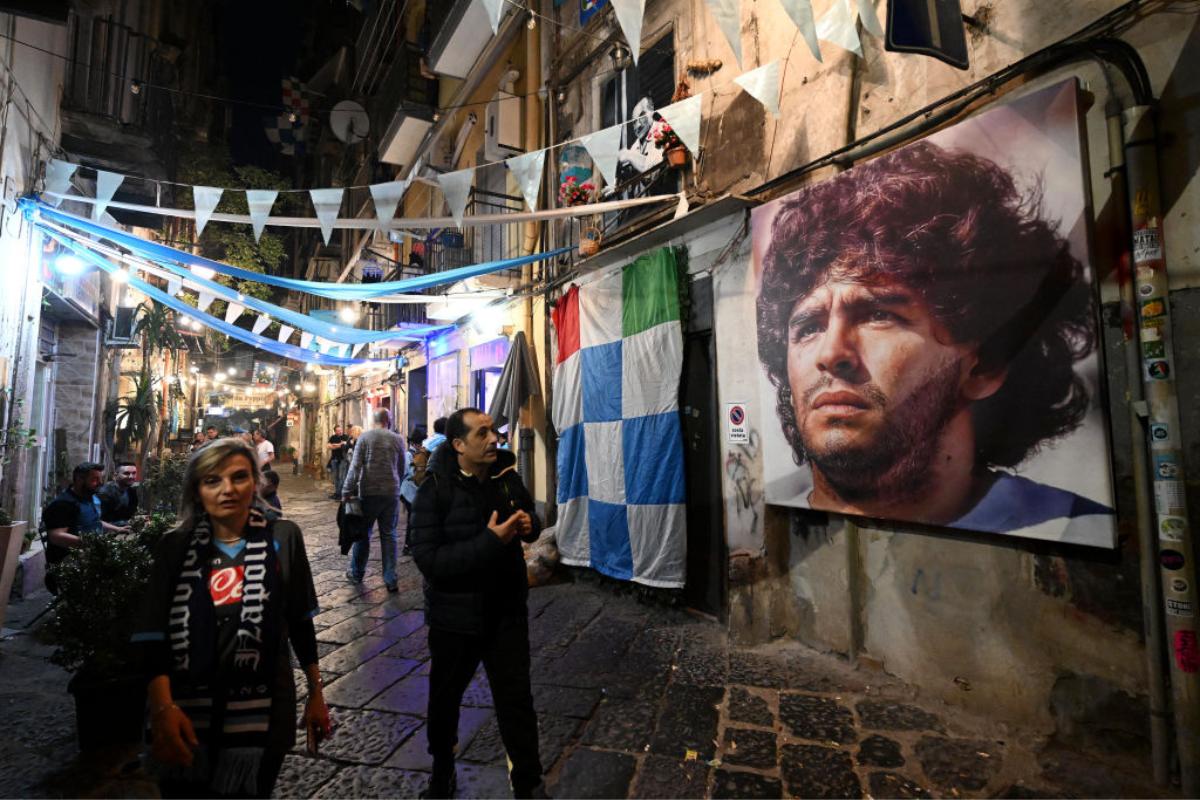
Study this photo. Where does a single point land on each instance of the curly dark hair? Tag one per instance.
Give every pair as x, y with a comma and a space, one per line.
954, 229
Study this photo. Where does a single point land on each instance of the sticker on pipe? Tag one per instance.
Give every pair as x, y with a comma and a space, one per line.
1172, 529
1152, 309
1147, 245
1179, 608
1168, 498
1171, 559
1187, 654
1178, 585
1158, 370
1159, 432
1154, 349
1146, 289
1166, 467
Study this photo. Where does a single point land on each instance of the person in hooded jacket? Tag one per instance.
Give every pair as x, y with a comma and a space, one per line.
469, 518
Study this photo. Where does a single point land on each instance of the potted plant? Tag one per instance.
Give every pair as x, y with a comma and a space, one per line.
100, 588
12, 542
668, 141
573, 193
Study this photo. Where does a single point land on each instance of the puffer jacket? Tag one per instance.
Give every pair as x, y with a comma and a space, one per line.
472, 579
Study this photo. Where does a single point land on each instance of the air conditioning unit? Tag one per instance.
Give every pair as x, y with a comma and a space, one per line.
502, 133
119, 330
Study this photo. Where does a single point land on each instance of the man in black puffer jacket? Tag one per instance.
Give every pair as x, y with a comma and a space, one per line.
469, 518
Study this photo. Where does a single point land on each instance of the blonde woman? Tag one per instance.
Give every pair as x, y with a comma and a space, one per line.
228, 591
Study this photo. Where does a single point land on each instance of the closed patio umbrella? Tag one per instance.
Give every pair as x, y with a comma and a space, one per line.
518, 382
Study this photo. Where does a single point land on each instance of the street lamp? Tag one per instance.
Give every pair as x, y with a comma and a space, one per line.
621, 57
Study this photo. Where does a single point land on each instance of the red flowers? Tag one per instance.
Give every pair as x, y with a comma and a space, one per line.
573, 193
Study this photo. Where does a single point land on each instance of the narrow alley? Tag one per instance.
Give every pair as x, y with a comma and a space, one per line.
634, 700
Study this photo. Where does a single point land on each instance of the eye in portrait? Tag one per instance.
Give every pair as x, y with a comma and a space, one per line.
927, 332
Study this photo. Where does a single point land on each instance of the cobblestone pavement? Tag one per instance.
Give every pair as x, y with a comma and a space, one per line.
634, 700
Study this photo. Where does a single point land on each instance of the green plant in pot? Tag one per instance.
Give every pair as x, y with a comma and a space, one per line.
12, 542
100, 588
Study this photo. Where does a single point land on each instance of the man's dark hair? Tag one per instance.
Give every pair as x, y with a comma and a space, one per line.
456, 425
120, 464
954, 229
271, 478
417, 435
439, 424
84, 469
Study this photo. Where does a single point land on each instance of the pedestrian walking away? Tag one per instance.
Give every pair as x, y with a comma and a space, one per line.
376, 466
228, 590
469, 519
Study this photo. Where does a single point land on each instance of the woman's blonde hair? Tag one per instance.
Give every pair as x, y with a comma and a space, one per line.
204, 461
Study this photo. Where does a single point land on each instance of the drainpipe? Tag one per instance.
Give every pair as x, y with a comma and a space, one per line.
1152, 614
1162, 405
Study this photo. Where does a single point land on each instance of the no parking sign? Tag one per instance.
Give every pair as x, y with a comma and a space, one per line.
737, 425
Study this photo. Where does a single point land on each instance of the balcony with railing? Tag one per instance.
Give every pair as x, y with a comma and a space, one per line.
114, 116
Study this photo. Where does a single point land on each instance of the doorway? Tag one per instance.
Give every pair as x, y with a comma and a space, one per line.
418, 385
705, 588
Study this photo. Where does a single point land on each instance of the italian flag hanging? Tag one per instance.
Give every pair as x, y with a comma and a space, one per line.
616, 407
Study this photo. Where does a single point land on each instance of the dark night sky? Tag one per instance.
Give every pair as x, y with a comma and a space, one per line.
260, 42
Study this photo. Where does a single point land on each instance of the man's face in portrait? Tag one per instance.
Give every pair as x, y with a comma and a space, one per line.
874, 380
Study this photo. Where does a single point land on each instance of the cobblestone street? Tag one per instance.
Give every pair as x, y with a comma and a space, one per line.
634, 700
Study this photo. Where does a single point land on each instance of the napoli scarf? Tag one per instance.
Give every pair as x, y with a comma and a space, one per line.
229, 704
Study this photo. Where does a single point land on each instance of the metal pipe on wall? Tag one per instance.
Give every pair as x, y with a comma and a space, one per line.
1152, 615
1158, 363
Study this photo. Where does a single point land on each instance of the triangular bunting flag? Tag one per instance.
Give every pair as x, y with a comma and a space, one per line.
838, 27
870, 20
387, 196
261, 323
495, 10
802, 17
174, 287
527, 169
456, 186
260, 202
232, 312
285, 331
728, 14
629, 16
324, 344
684, 119
58, 178
763, 85
357, 349
107, 184
305, 340
205, 198
681, 210
327, 202
603, 146
205, 301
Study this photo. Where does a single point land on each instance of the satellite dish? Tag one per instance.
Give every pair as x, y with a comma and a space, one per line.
349, 122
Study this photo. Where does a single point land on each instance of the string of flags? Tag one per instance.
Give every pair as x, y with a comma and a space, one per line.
684, 117
839, 25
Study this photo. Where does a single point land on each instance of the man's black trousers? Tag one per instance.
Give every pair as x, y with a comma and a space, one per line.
504, 651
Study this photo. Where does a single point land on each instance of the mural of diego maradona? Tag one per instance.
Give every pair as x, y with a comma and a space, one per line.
920, 322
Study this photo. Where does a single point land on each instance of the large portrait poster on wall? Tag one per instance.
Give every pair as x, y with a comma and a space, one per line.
927, 331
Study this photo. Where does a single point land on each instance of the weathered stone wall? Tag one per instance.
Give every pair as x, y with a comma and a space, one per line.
76, 384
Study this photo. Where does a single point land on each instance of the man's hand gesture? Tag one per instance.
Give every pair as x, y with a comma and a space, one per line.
524, 523
505, 531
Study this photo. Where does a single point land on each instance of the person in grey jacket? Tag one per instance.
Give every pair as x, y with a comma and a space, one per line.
376, 469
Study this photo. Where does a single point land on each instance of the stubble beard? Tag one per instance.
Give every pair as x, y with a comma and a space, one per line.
895, 465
